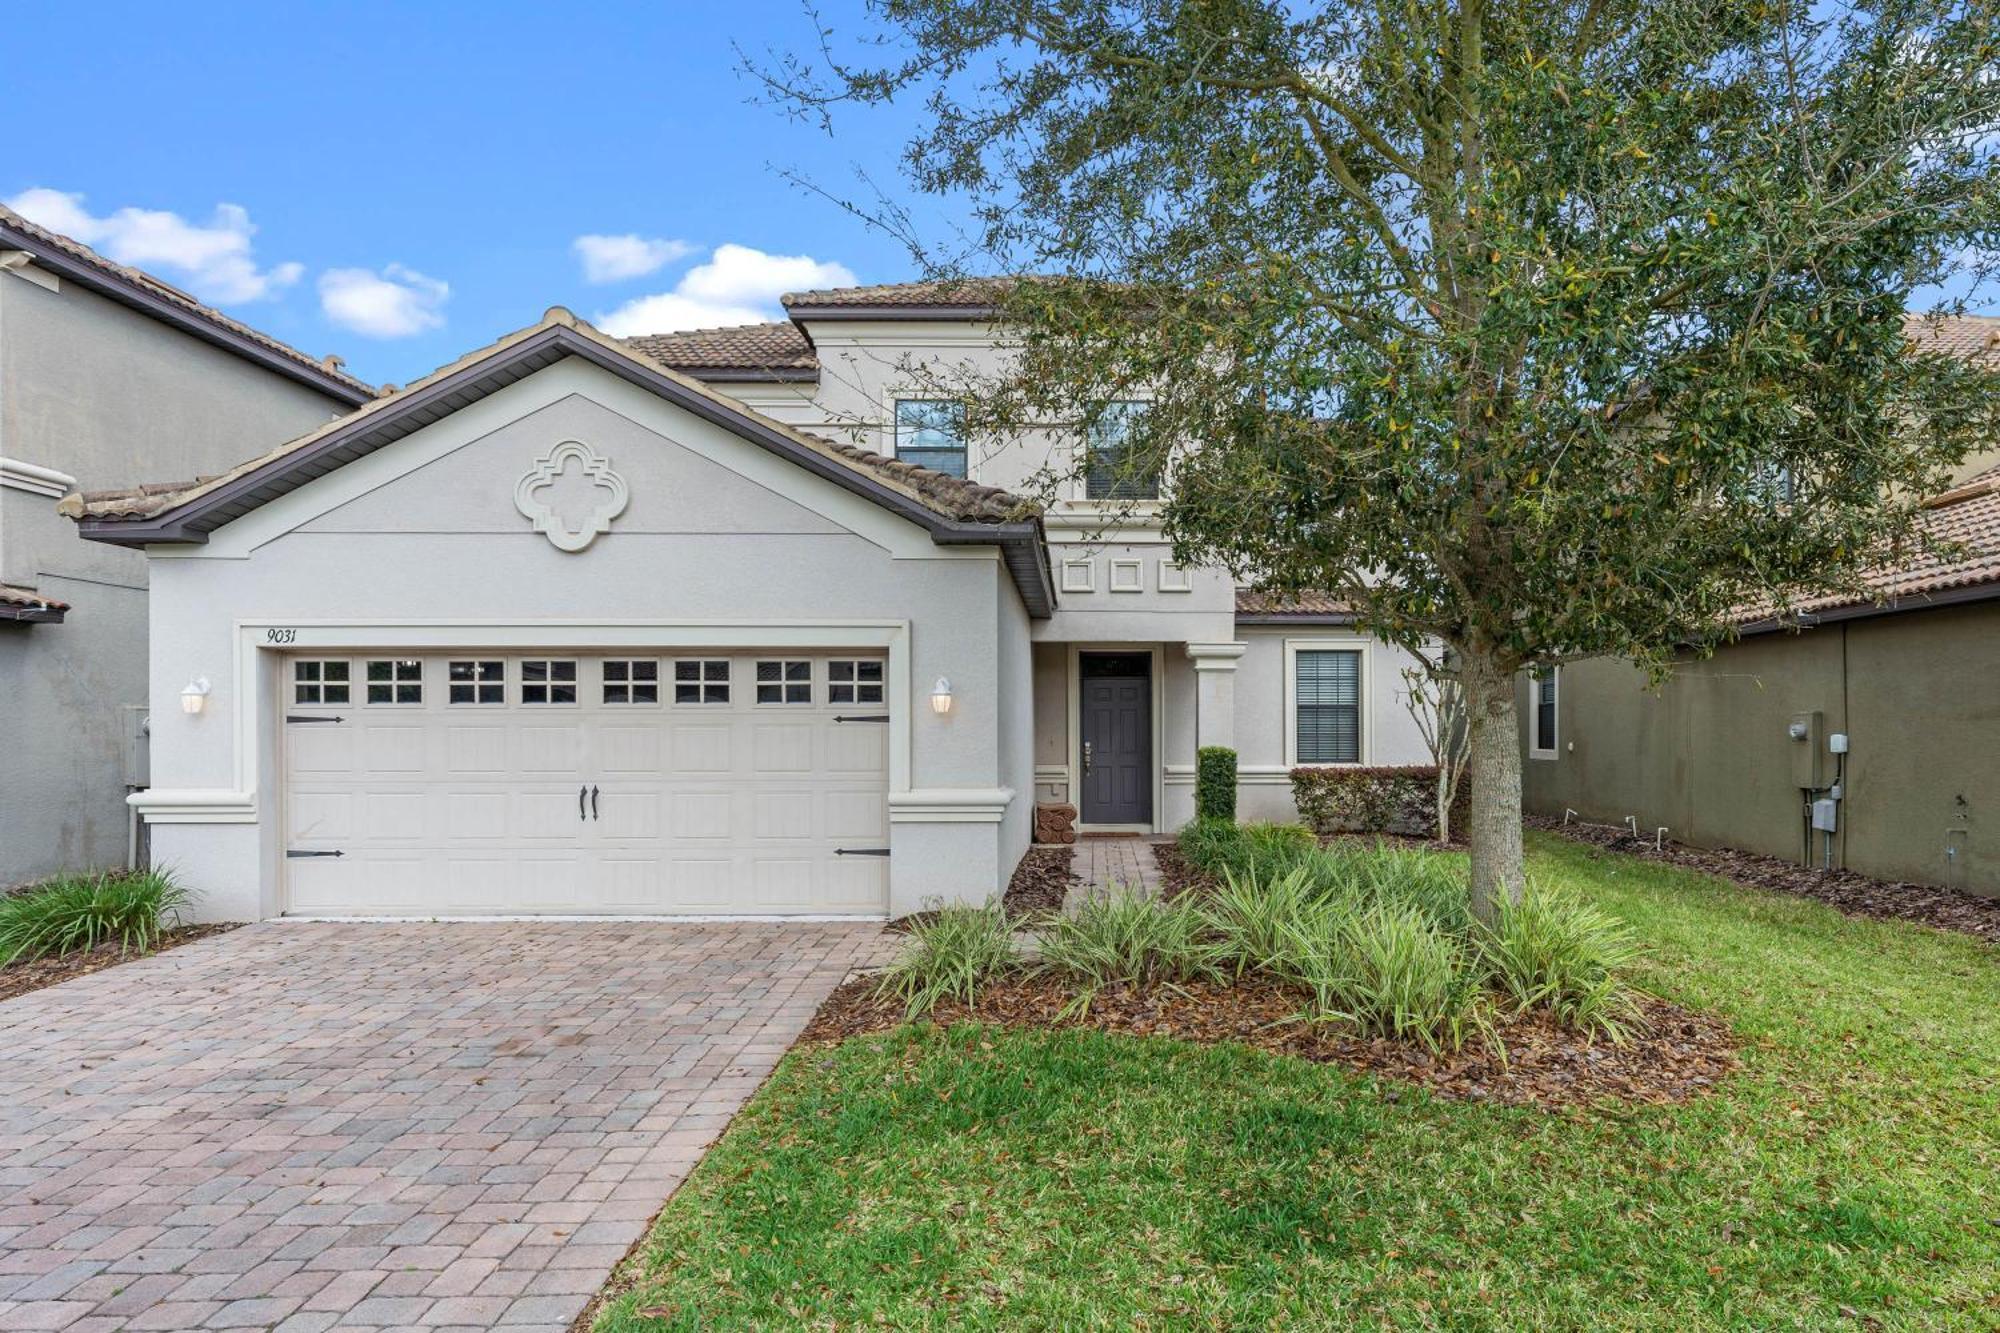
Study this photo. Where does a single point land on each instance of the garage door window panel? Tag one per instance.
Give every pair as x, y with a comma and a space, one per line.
784, 682
701, 681
476, 682
320, 682
546, 681
854, 681
631, 681
396, 681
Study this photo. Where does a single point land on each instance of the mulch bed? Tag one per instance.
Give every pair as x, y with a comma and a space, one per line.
1849, 892
20, 978
1678, 1055
1036, 889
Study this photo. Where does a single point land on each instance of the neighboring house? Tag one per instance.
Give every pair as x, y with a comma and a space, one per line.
1733, 750
105, 373
736, 621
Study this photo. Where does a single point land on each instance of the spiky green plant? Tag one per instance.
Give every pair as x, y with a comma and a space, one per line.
949, 956
1560, 953
73, 912
1123, 938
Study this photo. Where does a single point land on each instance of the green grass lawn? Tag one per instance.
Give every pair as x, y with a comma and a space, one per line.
1074, 1180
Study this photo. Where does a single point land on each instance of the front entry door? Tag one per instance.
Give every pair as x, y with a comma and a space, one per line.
1116, 723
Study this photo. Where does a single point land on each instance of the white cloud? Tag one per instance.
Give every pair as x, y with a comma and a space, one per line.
212, 260
737, 285
615, 258
394, 303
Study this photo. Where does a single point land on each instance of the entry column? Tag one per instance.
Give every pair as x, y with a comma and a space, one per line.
1215, 692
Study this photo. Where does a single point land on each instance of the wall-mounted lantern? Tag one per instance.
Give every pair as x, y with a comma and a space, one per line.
941, 697
195, 697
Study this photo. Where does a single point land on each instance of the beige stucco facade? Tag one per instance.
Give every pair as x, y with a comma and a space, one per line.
1708, 754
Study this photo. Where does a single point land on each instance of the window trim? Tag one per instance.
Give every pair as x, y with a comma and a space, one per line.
671, 683
321, 683
784, 683
1536, 750
605, 684
857, 684
521, 682
1364, 704
393, 682
475, 683
894, 425
1090, 460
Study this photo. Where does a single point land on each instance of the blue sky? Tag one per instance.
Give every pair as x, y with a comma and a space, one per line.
401, 183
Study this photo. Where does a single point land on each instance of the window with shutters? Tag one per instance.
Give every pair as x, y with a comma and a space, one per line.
1328, 685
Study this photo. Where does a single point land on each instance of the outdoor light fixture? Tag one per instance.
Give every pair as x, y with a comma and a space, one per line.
941, 697
195, 697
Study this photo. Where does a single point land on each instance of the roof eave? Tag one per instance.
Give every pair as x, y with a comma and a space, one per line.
190, 522
1297, 618
31, 615
889, 311
1930, 601
127, 293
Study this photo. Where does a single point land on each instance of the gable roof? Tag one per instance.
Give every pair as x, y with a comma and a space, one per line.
952, 510
141, 291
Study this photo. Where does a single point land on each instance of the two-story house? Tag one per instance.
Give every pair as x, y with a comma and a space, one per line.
106, 373
737, 621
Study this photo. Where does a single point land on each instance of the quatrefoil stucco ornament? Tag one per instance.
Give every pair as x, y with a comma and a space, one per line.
571, 521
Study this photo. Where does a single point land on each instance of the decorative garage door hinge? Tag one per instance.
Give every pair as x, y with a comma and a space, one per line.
861, 851
303, 717
860, 717
300, 856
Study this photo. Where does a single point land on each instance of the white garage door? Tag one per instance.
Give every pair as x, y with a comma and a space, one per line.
485, 782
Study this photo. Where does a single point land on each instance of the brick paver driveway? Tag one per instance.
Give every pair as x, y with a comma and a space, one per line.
310, 1126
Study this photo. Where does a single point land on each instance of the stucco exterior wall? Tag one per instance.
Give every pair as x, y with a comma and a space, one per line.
1707, 754
109, 397
717, 533
1388, 734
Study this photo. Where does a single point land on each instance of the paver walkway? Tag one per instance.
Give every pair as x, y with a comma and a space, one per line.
309, 1127
1103, 863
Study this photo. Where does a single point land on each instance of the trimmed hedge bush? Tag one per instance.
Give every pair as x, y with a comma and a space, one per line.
1215, 783
1376, 800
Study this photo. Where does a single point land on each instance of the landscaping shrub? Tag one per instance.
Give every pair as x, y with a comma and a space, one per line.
1213, 846
1375, 800
1215, 783
949, 955
75, 912
1567, 956
1121, 938
1256, 917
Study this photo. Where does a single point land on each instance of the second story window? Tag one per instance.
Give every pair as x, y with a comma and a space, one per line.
930, 432
1110, 472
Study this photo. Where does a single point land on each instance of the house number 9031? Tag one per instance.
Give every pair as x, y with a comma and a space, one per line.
281, 636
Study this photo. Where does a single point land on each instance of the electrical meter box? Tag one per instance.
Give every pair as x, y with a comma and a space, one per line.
1808, 735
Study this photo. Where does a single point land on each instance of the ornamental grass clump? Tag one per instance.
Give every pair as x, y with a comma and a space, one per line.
1121, 938
1257, 917
950, 955
73, 912
1552, 951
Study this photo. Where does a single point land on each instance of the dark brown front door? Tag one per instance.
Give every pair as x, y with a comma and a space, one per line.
1116, 722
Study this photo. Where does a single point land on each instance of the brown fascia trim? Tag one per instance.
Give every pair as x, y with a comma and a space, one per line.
31, 615
190, 523
150, 303
1298, 618
934, 314
1933, 601
750, 374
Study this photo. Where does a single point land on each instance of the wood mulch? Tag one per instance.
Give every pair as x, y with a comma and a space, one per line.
20, 978
1678, 1054
1845, 890
1035, 890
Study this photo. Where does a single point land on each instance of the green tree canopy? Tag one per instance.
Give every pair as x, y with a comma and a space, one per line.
1534, 329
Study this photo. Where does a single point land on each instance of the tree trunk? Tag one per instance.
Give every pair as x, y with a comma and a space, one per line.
1495, 774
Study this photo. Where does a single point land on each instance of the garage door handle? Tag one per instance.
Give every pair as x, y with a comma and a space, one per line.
581, 792
593, 802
